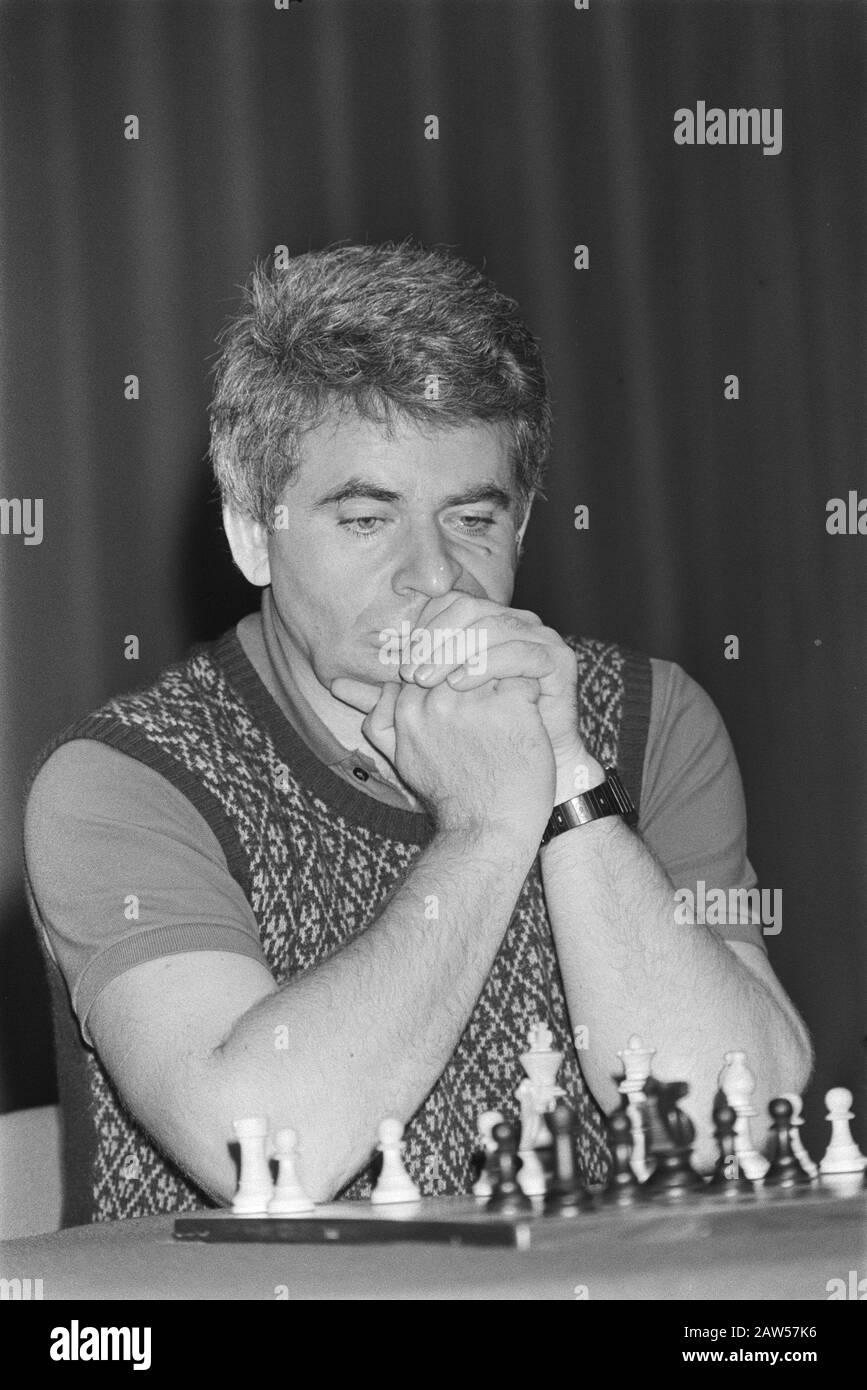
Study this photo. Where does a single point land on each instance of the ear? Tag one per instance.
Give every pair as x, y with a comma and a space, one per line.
248, 542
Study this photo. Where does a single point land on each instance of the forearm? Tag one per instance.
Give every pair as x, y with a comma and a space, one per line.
367, 1033
629, 967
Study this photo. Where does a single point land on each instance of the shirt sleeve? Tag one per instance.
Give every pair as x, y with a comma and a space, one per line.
693, 815
123, 869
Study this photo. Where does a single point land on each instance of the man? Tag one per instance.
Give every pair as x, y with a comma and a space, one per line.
302, 875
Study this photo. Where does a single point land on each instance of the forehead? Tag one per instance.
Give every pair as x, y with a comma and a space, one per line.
414, 459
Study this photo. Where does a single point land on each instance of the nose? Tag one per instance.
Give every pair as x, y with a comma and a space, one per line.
427, 565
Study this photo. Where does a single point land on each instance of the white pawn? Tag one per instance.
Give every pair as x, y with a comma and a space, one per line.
842, 1154
737, 1084
486, 1122
798, 1149
255, 1184
394, 1183
289, 1196
636, 1059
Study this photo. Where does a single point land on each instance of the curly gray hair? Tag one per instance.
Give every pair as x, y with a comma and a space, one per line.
390, 331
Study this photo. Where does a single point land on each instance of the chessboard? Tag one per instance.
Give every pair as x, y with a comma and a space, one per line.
434, 1221
464, 1221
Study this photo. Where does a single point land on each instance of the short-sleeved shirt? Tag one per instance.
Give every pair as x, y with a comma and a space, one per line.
124, 869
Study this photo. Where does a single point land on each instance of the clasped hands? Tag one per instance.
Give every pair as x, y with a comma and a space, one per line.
514, 643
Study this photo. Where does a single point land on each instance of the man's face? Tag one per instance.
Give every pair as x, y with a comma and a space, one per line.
376, 526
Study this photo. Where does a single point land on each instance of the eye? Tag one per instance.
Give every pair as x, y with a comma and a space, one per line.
473, 525
361, 526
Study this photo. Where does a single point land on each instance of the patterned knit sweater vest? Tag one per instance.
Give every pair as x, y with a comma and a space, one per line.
317, 859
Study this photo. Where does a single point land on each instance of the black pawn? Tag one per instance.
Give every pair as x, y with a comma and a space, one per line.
785, 1169
566, 1193
623, 1187
728, 1178
506, 1197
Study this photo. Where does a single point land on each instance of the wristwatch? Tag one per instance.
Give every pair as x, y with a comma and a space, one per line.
610, 798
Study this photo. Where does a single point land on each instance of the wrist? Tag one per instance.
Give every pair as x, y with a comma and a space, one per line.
498, 840
577, 772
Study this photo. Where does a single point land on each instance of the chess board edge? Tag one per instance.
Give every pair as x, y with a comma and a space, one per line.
464, 1221
351, 1224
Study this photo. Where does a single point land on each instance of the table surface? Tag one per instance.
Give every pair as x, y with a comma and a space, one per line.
777, 1247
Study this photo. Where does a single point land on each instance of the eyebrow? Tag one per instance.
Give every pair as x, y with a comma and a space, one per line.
364, 487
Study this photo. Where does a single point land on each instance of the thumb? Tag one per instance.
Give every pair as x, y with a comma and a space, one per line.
378, 727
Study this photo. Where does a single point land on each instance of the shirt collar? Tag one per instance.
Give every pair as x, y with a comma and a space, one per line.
259, 636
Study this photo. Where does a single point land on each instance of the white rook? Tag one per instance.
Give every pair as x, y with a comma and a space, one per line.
255, 1185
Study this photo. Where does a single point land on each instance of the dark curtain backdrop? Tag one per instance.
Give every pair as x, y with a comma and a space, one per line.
300, 127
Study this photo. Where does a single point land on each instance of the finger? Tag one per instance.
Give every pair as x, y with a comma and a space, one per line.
450, 646
436, 606
455, 610
526, 615
472, 651
530, 689
358, 694
379, 724
464, 607
531, 660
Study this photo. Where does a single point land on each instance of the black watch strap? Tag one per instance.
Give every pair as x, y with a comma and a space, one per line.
610, 798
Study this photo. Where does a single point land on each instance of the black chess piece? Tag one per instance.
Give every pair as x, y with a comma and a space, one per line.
566, 1193
728, 1178
656, 1136
785, 1168
671, 1135
506, 1197
623, 1187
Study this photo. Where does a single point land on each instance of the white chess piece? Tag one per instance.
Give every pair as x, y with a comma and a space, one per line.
255, 1184
394, 1183
798, 1149
531, 1174
842, 1154
289, 1196
541, 1064
540, 1037
636, 1059
486, 1122
737, 1084
537, 1095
